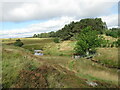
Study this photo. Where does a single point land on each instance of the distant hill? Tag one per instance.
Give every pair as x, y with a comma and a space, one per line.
71, 30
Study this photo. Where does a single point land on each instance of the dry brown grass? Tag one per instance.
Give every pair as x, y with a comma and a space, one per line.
84, 67
108, 53
107, 56
65, 46
111, 39
89, 68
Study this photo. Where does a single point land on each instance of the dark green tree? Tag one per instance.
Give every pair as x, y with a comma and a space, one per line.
35, 35
114, 32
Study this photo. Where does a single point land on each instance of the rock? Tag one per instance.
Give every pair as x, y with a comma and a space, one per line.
39, 54
93, 84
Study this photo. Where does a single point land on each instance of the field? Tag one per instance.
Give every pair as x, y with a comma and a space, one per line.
56, 68
107, 56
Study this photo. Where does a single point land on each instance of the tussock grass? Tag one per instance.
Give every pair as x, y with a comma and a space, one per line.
27, 40
15, 59
96, 71
111, 39
108, 56
85, 68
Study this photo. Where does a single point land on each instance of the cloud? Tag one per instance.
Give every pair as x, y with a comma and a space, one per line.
50, 25
111, 20
56, 14
47, 9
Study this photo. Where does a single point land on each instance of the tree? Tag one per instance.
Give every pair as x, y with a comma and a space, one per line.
69, 31
88, 40
34, 36
52, 34
18, 43
117, 43
114, 32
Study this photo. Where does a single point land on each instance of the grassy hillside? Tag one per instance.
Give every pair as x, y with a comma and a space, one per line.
54, 69
111, 39
107, 56
14, 60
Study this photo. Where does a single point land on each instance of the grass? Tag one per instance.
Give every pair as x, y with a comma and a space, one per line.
15, 59
27, 40
71, 65
85, 68
111, 39
57, 57
107, 56
88, 68
50, 48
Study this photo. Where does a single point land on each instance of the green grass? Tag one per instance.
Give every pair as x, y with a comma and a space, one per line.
71, 65
107, 56
85, 68
58, 56
13, 60
47, 44
88, 68
111, 39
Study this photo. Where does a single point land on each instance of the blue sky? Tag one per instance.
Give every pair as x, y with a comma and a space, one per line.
114, 8
25, 19
16, 25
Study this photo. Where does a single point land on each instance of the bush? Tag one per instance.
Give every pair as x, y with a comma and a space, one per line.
18, 43
112, 45
114, 32
93, 51
57, 40
117, 43
61, 54
104, 45
108, 45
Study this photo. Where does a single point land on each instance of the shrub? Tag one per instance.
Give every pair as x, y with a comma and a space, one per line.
61, 54
108, 45
104, 45
117, 43
112, 45
18, 43
93, 51
57, 40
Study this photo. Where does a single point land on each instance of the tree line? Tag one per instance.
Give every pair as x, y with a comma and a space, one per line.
70, 31
114, 32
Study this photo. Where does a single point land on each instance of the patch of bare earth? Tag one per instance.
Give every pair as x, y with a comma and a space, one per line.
52, 77
48, 76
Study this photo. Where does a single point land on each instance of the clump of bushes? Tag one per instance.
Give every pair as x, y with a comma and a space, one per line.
57, 40
106, 43
114, 32
61, 54
18, 43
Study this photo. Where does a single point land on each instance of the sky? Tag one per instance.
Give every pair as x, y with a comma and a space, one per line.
23, 18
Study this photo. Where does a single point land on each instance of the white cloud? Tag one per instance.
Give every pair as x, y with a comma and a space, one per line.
63, 12
54, 0
47, 9
111, 20
51, 25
